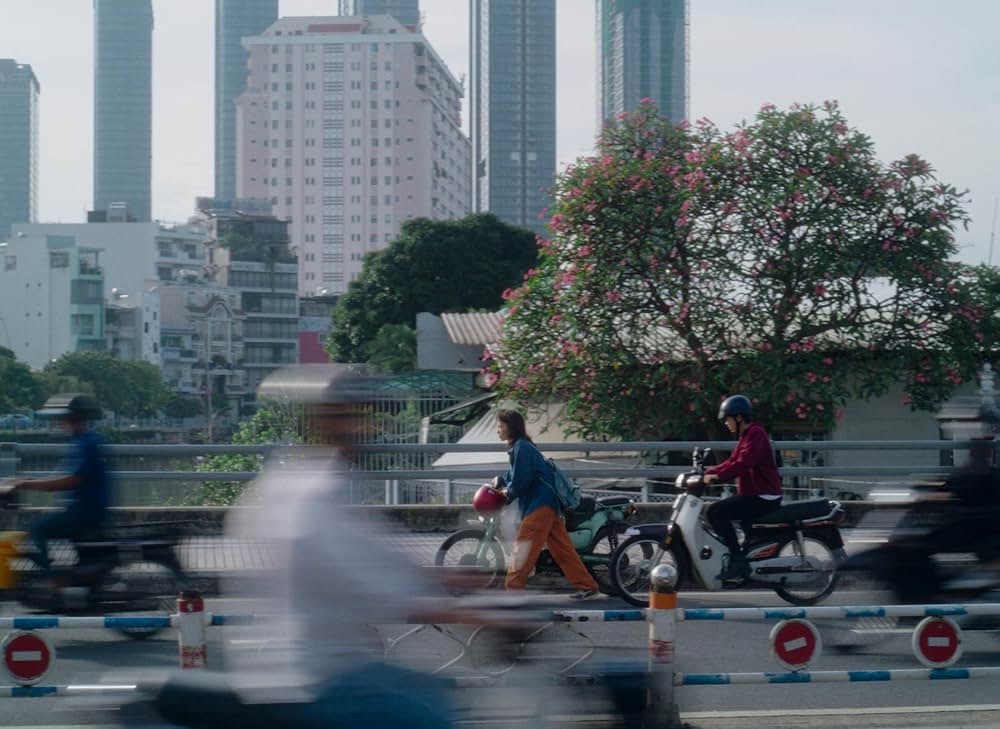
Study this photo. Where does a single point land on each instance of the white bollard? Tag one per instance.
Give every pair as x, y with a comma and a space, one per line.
191, 638
661, 711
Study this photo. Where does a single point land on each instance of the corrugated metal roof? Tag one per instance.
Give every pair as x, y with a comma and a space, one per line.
473, 328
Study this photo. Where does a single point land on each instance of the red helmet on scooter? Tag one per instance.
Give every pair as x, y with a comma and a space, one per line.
488, 500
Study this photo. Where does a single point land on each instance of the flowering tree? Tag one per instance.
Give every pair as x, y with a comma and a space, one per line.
781, 259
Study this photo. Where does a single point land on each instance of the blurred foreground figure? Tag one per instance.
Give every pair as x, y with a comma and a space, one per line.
965, 512
318, 660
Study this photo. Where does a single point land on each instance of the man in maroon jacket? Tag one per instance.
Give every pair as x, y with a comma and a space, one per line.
758, 485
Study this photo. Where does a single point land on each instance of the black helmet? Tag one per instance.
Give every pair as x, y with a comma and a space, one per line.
736, 405
72, 405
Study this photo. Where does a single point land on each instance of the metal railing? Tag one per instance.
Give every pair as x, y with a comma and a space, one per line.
404, 473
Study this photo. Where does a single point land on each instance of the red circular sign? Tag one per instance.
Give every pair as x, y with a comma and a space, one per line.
794, 643
937, 642
27, 657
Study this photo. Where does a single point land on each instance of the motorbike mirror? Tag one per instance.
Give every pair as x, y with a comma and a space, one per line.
708, 457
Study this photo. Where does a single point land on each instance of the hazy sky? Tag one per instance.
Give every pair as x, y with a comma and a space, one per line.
917, 75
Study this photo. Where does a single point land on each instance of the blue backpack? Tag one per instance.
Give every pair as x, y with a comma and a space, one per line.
567, 492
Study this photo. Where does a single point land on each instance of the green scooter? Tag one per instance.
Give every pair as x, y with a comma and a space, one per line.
595, 527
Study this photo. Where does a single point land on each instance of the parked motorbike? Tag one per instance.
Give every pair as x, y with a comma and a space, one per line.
793, 550
131, 569
595, 527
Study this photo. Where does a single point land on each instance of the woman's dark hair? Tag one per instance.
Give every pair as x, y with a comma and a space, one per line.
515, 424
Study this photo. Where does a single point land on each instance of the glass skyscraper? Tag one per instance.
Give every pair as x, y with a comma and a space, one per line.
18, 145
123, 105
406, 12
513, 107
643, 53
234, 20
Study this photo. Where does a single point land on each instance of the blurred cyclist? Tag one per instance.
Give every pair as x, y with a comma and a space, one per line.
85, 481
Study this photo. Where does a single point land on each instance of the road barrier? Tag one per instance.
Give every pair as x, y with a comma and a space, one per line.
936, 642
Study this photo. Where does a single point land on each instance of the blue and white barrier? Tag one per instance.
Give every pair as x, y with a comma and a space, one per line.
115, 622
900, 674
846, 612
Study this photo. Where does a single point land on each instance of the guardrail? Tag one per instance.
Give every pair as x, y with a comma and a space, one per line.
402, 482
936, 642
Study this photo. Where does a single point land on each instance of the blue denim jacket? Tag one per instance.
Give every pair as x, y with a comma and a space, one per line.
529, 479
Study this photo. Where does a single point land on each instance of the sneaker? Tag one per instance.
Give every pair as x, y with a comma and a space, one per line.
584, 594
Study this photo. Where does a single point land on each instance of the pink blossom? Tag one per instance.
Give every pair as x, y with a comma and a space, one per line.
490, 379
507, 294
811, 376
907, 399
828, 360
820, 290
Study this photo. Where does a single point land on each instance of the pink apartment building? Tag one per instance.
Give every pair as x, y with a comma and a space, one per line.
349, 127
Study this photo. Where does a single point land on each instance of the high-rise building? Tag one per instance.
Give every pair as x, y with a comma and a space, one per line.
513, 107
18, 145
643, 48
349, 127
234, 20
123, 105
406, 12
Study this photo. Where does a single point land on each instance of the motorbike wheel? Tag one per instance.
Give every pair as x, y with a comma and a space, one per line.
459, 551
809, 594
141, 589
604, 545
633, 562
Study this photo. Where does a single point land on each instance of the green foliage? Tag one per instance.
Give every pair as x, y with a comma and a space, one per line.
19, 388
179, 406
394, 349
128, 388
781, 259
434, 266
274, 423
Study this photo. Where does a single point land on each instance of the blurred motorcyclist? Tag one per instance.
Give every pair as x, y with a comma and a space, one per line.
85, 478
969, 502
332, 578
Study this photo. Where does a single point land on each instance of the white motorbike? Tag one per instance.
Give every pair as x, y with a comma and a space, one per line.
793, 550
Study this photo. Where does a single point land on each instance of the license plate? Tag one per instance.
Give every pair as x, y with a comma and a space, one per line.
632, 532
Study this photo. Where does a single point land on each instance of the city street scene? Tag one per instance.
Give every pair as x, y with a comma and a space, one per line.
501, 364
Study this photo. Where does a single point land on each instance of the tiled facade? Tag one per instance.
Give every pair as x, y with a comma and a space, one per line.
643, 48
406, 12
513, 107
234, 20
123, 105
18, 145
348, 128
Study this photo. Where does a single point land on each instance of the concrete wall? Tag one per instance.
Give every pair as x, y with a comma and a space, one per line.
435, 351
887, 418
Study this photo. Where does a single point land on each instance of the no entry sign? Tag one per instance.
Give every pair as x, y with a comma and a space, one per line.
795, 643
937, 642
27, 657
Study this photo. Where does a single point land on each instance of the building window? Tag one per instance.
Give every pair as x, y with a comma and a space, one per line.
59, 259
10, 263
82, 324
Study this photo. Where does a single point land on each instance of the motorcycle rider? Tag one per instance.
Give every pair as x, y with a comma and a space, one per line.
529, 481
85, 478
758, 485
970, 499
332, 576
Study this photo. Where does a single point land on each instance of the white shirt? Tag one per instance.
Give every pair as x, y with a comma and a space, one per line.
334, 578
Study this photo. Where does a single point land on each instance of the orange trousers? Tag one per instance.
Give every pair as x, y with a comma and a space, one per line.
540, 527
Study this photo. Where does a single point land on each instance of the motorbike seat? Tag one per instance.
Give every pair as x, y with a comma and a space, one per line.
796, 511
586, 506
610, 501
